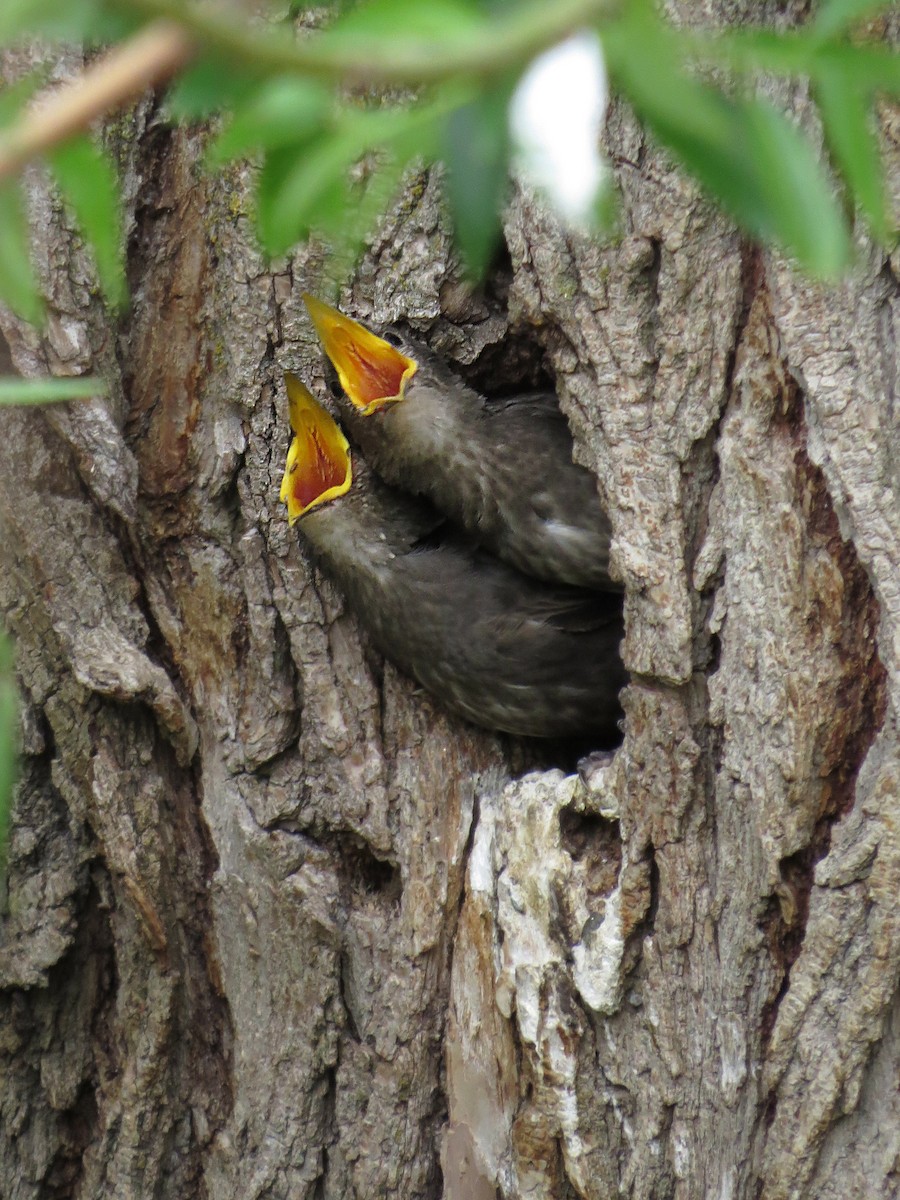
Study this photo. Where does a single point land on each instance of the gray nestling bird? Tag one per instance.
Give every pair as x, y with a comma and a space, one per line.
501, 649
502, 468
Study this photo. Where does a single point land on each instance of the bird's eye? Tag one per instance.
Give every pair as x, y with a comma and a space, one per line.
394, 339
335, 388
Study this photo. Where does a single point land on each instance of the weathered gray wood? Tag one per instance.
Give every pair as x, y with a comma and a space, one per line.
277, 926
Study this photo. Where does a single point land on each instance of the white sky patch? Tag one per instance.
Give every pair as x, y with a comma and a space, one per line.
555, 117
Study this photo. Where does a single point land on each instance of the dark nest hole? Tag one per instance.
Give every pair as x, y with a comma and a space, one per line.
564, 754
368, 874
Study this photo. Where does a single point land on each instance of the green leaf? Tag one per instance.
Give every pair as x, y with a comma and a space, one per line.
16, 16
870, 68
834, 16
405, 138
747, 155
848, 128
476, 152
9, 748
212, 84
14, 97
755, 50
401, 24
607, 209
88, 182
108, 23
18, 288
72, 21
304, 187
795, 204
307, 186
367, 203
14, 390
694, 120
285, 110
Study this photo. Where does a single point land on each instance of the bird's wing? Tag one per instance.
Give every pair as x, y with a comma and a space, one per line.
582, 614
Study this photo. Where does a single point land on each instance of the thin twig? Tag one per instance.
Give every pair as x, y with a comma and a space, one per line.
505, 42
149, 58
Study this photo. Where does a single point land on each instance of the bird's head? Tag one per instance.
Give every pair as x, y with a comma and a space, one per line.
318, 465
372, 371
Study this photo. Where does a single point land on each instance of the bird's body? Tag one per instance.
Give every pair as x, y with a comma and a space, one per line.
501, 649
502, 469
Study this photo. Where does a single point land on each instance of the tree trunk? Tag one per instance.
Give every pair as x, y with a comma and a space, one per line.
277, 925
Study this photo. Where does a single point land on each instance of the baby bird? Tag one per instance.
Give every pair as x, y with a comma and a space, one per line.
499, 648
502, 469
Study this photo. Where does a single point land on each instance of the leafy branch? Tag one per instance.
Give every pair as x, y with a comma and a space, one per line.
394, 44
286, 97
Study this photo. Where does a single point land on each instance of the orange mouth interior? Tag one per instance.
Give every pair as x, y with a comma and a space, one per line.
318, 465
372, 371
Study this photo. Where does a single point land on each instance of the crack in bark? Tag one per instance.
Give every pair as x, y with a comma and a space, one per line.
859, 713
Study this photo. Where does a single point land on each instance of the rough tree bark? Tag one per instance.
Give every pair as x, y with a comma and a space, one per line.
279, 927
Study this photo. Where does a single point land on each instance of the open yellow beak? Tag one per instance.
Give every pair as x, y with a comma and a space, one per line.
372, 372
318, 462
